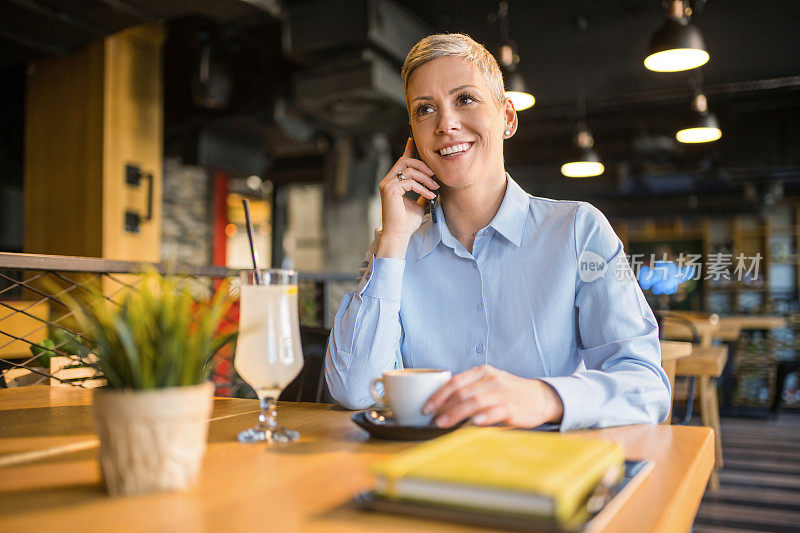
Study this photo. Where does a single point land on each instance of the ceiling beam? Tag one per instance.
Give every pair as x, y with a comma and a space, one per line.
63, 16
642, 100
18, 38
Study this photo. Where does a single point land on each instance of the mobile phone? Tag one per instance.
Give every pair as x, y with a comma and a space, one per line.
431, 203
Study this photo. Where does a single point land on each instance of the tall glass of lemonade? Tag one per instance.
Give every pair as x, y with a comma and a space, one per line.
268, 352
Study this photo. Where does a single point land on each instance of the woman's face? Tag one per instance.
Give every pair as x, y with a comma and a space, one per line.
457, 124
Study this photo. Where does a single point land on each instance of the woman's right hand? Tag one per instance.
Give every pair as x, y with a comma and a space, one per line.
402, 216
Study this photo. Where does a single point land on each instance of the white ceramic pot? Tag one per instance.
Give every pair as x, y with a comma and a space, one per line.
154, 440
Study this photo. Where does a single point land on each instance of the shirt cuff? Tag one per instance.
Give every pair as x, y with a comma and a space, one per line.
579, 412
383, 279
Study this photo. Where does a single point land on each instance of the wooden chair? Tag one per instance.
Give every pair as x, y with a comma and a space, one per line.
69, 370
63, 371
704, 366
695, 326
310, 385
671, 352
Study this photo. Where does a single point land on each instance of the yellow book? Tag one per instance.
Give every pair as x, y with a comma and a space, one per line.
502, 470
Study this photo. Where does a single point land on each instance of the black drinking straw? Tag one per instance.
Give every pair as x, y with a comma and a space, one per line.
253, 253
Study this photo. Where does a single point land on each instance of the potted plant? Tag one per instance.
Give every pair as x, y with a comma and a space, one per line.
155, 348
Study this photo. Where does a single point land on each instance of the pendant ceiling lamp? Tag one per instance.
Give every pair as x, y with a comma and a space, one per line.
517, 91
583, 161
516, 88
703, 126
678, 44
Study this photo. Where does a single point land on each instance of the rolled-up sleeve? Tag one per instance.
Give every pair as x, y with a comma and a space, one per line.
622, 382
365, 339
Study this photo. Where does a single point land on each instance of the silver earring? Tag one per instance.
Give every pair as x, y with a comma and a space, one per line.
507, 132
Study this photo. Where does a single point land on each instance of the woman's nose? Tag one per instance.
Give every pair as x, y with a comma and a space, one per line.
448, 121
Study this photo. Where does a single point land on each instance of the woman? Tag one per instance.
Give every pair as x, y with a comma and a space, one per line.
529, 301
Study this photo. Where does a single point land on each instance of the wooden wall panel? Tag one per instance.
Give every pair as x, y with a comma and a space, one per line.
87, 116
63, 154
133, 134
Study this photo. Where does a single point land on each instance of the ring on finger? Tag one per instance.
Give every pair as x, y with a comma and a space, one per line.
400, 176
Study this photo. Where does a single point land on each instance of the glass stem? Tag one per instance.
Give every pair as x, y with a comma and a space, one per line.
268, 418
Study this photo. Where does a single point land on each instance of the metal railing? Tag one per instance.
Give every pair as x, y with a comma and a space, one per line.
40, 342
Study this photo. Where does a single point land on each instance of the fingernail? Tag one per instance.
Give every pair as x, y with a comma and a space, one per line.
427, 409
441, 421
479, 419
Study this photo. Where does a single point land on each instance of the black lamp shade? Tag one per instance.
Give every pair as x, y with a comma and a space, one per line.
700, 128
678, 37
588, 155
676, 34
517, 90
705, 120
516, 83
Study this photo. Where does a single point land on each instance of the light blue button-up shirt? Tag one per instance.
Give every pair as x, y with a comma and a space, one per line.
546, 293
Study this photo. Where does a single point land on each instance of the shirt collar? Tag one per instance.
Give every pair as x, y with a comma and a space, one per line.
513, 213
509, 220
433, 232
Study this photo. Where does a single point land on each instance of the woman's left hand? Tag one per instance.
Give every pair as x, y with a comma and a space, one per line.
492, 396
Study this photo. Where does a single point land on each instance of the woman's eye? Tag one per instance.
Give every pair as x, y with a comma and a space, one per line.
465, 99
424, 110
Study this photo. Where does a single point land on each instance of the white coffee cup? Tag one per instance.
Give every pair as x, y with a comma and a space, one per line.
405, 392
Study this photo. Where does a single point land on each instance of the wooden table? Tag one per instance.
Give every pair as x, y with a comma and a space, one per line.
726, 328
752, 322
729, 333
671, 351
731, 327
303, 486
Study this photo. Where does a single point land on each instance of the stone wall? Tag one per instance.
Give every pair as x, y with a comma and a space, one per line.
187, 215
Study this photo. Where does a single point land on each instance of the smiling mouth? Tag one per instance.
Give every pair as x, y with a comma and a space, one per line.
454, 150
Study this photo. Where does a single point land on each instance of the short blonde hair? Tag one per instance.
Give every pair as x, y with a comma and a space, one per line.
456, 45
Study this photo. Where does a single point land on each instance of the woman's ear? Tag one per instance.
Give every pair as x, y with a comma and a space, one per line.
510, 117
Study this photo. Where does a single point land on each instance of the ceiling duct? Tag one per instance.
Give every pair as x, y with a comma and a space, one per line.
313, 30
353, 50
362, 93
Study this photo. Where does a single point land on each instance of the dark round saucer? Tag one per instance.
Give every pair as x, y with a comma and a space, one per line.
389, 429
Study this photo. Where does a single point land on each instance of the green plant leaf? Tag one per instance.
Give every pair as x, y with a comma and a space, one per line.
122, 328
157, 335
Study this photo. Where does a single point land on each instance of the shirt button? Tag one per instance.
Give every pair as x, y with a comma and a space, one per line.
479, 348
474, 265
479, 307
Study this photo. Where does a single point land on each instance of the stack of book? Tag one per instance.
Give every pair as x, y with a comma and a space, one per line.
504, 473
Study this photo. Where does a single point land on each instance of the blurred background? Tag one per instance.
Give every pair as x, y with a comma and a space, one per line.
132, 129
298, 105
